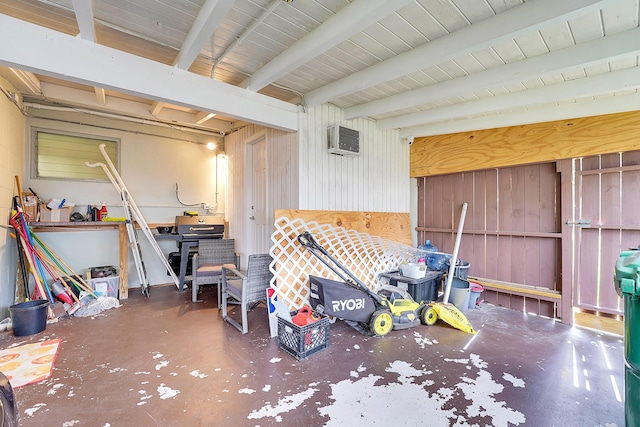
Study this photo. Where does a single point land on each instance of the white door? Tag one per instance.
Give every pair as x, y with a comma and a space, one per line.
257, 209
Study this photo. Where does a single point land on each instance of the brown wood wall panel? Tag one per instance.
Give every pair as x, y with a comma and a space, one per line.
631, 158
549, 254
630, 190
611, 203
590, 198
528, 144
587, 289
608, 198
508, 210
491, 257
609, 253
518, 260
491, 200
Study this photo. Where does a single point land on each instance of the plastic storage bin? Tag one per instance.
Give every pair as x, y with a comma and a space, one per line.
427, 289
106, 286
303, 341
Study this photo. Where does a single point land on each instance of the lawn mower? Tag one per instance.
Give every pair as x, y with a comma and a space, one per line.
352, 301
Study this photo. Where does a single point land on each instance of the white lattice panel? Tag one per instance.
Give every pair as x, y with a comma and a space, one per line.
365, 256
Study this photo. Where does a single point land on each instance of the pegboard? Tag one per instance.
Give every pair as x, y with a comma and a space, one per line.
365, 256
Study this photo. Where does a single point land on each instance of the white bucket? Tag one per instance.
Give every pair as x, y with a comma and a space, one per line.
413, 270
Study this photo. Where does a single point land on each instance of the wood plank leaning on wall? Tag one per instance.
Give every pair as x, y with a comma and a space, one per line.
388, 225
518, 145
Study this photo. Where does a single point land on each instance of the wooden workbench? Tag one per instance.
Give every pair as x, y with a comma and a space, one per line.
123, 242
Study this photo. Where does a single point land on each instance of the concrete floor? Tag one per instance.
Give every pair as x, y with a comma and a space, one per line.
165, 361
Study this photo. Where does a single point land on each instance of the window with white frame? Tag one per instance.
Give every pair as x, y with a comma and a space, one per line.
62, 155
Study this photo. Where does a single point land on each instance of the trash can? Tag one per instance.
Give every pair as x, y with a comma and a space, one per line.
627, 284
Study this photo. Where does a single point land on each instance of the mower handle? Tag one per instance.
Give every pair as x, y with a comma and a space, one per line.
307, 240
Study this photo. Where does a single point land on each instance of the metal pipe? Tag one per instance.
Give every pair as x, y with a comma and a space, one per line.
118, 117
454, 256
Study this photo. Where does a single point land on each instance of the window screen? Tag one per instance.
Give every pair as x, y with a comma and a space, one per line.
63, 155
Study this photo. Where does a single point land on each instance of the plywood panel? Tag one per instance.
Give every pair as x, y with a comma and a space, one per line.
388, 225
518, 145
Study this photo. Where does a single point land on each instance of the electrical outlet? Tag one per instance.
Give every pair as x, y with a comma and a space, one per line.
207, 207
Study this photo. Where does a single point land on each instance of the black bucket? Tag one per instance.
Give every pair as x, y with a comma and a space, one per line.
29, 317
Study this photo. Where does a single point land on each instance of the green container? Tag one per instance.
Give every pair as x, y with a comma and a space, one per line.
627, 282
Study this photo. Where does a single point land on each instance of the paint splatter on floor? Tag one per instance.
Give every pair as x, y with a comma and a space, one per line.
161, 365
35, 408
54, 389
284, 405
391, 400
197, 374
167, 392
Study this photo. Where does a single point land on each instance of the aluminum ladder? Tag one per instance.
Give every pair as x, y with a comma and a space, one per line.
133, 213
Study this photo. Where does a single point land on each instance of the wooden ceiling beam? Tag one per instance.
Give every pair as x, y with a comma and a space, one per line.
349, 21
208, 19
37, 49
83, 10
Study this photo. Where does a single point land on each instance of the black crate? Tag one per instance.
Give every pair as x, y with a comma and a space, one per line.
427, 289
303, 341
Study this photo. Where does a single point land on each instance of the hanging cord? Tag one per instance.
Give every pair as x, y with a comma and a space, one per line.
185, 204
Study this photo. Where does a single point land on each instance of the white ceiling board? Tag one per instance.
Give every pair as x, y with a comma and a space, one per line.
629, 78
350, 20
493, 36
500, 28
548, 113
570, 60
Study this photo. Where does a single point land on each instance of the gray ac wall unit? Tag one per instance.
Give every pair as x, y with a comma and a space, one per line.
343, 141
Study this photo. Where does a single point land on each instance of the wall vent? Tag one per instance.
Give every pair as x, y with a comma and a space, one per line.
343, 141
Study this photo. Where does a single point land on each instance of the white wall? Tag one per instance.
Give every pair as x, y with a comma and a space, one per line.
11, 165
282, 180
377, 180
303, 175
152, 161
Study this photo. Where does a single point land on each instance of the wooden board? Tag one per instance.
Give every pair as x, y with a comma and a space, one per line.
601, 323
527, 144
388, 225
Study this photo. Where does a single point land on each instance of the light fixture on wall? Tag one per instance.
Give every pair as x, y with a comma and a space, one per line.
211, 146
